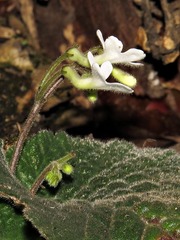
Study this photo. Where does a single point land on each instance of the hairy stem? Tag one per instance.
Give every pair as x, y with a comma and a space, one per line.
29, 122
23, 134
40, 179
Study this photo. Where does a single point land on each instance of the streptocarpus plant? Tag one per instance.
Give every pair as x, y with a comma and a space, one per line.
117, 191
93, 78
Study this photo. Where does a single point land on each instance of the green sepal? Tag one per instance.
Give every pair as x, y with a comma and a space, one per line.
51, 76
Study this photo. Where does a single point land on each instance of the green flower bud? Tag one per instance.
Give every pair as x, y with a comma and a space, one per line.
67, 169
54, 177
92, 96
124, 77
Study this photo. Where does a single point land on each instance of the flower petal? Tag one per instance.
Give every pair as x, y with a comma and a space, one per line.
117, 87
96, 72
90, 58
113, 44
133, 54
100, 36
113, 52
99, 76
106, 69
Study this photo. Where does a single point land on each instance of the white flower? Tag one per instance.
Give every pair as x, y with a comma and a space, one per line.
97, 79
101, 73
113, 52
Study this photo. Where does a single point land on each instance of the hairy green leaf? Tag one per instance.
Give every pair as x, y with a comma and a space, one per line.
117, 191
12, 224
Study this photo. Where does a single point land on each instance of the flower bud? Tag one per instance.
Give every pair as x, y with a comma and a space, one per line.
124, 77
67, 169
92, 96
54, 177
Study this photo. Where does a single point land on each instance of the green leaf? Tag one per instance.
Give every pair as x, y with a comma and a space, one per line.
9, 185
117, 191
12, 224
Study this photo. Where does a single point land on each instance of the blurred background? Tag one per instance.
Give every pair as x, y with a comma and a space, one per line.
34, 33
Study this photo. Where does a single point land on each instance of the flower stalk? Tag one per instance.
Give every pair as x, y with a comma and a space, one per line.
29, 123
